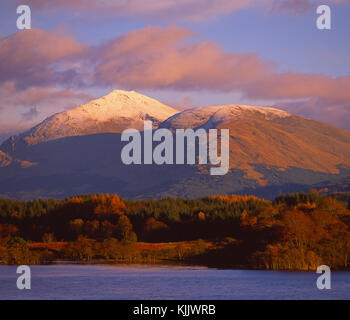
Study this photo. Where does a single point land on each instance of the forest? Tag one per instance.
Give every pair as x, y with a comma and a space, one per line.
294, 232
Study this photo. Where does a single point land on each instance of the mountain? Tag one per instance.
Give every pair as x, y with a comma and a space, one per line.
272, 138
112, 113
78, 151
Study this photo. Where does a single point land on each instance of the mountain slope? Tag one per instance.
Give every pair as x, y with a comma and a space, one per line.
271, 137
78, 151
112, 113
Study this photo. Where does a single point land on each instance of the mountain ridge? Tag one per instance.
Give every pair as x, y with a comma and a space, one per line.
271, 151
113, 113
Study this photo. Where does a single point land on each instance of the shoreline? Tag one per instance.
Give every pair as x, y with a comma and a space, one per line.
169, 263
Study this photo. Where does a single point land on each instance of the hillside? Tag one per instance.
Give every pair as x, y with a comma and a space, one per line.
78, 151
271, 137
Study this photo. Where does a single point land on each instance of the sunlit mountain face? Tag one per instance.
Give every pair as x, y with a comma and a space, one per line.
78, 151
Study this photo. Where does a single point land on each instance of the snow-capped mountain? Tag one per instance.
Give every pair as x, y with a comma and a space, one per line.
271, 138
112, 113
271, 151
210, 117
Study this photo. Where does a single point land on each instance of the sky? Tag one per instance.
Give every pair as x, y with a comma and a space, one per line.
182, 52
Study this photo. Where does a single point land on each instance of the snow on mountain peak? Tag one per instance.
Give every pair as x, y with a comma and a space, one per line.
113, 113
214, 115
122, 104
120, 110
242, 111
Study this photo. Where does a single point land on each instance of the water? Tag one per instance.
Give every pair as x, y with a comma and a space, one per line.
69, 281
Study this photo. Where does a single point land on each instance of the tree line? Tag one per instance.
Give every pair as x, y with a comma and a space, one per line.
295, 231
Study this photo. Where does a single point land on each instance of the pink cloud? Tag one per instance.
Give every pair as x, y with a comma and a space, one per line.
12, 98
291, 85
164, 9
29, 56
181, 105
21, 108
175, 10
150, 58
296, 6
336, 113
154, 57
177, 61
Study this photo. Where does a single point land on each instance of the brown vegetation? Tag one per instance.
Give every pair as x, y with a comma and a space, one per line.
296, 232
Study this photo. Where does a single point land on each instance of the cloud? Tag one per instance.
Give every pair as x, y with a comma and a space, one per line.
22, 108
30, 115
149, 58
33, 57
291, 85
45, 97
163, 9
295, 6
175, 10
152, 58
333, 112
180, 105
172, 58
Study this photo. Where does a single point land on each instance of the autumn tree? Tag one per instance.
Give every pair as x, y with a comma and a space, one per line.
124, 227
105, 205
107, 229
154, 229
111, 248
82, 249
152, 224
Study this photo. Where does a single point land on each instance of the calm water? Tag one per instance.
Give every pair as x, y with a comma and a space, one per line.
167, 282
